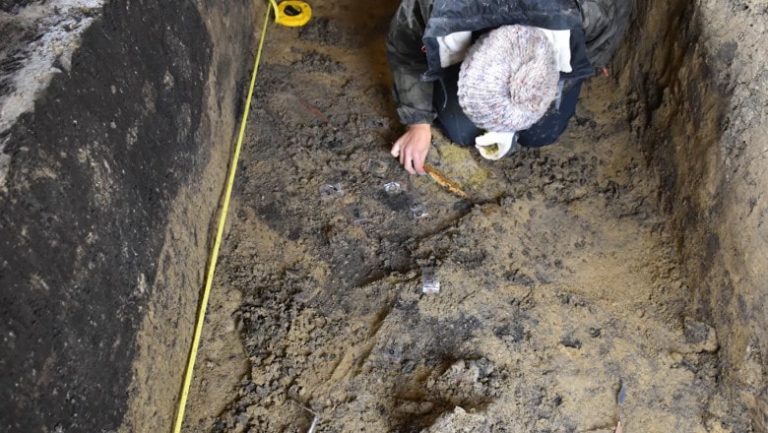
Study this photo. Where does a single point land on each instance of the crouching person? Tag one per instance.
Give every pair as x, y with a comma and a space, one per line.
495, 73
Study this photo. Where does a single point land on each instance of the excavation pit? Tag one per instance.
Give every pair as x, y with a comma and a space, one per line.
615, 276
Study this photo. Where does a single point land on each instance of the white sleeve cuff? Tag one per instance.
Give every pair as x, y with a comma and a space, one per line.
495, 145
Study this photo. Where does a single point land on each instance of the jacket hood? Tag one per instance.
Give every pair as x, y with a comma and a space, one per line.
451, 16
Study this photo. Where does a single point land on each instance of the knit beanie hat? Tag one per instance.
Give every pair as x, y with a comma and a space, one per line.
508, 79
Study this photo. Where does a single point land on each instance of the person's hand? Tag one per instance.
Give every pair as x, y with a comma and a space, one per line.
413, 146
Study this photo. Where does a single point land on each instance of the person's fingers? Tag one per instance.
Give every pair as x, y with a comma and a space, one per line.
395, 152
409, 166
419, 167
408, 163
418, 163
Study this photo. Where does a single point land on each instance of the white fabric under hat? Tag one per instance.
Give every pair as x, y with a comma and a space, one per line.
454, 47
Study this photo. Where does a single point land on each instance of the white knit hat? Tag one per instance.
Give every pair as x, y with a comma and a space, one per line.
508, 79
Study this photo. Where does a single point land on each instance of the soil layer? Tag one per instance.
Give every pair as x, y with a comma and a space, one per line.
107, 189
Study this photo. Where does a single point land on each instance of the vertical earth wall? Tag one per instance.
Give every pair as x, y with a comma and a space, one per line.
697, 91
109, 182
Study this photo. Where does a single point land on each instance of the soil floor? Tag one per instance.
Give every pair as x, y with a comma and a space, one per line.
561, 306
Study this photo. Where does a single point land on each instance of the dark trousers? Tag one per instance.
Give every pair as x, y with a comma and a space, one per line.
457, 126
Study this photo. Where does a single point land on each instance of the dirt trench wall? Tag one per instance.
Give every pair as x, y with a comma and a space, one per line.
107, 191
697, 89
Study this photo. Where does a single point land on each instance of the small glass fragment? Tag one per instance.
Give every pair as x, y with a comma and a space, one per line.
393, 188
622, 394
331, 191
430, 283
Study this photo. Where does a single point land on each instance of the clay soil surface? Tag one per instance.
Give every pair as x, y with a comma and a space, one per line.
561, 306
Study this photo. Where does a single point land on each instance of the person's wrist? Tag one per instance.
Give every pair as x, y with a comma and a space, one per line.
420, 126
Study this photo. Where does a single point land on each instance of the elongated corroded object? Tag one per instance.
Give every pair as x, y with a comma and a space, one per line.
446, 183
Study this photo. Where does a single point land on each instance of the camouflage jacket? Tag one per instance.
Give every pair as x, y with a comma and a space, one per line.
596, 26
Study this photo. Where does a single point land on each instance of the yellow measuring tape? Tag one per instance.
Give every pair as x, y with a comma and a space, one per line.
289, 13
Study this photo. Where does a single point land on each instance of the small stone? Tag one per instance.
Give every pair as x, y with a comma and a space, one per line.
331, 191
376, 167
700, 336
418, 211
571, 342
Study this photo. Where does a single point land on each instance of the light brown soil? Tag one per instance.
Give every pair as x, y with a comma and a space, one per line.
561, 295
